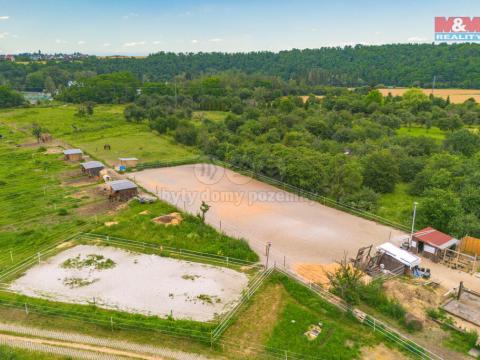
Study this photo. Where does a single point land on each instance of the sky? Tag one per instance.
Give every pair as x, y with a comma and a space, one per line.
141, 27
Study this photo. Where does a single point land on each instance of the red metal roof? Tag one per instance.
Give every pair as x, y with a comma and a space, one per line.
433, 237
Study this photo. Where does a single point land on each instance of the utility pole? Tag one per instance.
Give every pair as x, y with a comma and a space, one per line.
267, 253
413, 223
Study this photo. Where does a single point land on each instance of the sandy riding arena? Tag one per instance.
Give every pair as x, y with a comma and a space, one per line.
113, 278
302, 230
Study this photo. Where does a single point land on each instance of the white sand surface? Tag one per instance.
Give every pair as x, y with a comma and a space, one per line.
138, 283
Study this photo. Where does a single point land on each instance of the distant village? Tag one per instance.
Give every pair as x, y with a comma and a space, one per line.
39, 56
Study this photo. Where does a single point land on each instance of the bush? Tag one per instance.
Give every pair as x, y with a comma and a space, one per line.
374, 296
62, 212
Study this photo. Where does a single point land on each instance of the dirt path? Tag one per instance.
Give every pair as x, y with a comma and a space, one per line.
84, 346
253, 328
304, 231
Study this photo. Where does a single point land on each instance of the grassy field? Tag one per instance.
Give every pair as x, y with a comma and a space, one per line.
215, 116
278, 317
106, 126
135, 223
434, 132
397, 206
9, 353
36, 205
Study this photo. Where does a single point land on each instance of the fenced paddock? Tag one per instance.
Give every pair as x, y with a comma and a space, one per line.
300, 225
115, 319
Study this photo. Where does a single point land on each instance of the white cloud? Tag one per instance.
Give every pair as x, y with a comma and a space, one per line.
195, 41
60, 41
81, 42
156, 42
130, 15
3, 35
107, 44
4, 17
134, 43
215, 40
417, 39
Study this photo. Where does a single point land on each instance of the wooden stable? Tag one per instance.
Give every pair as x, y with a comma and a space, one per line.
128, 162
122, 190
92, 168
431, 243
73, 154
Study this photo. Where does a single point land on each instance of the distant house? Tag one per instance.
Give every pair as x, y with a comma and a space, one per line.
73, 154
128, 162
432, 243
122, 190
92, 168
10, 58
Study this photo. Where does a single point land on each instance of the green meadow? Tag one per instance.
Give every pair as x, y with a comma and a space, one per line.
106, 126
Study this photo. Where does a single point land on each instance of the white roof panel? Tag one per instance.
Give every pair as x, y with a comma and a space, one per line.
401, 255
72, 151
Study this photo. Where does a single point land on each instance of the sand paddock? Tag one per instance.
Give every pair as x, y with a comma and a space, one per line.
302, 230
137, 283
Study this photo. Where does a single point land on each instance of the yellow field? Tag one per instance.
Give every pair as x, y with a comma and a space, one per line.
457, 96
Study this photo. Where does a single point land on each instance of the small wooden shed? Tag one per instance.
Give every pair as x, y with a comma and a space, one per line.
432, 243
397, 260
73, 154
128, 162
92, 168
122, 190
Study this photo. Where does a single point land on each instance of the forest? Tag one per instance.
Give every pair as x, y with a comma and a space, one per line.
407, 65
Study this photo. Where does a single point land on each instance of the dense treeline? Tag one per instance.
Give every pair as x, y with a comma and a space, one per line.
10, 98
456, 65
344, 146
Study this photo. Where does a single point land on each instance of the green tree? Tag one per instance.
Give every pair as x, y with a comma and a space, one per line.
438, 208
380, 171
10, 98
462, 141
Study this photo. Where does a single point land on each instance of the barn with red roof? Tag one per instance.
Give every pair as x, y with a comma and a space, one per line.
431, 243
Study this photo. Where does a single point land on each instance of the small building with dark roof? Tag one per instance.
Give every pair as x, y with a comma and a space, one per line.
122, 190
73, 154
92, 168
432, 243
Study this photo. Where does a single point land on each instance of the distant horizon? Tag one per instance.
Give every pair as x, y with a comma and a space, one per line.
106, 54
142, 27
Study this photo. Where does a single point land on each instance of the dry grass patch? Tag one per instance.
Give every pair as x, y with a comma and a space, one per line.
252, 330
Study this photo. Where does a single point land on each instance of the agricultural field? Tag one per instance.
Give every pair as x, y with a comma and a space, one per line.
106, 126
457, 96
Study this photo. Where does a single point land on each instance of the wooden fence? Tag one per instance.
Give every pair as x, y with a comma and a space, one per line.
470, 245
